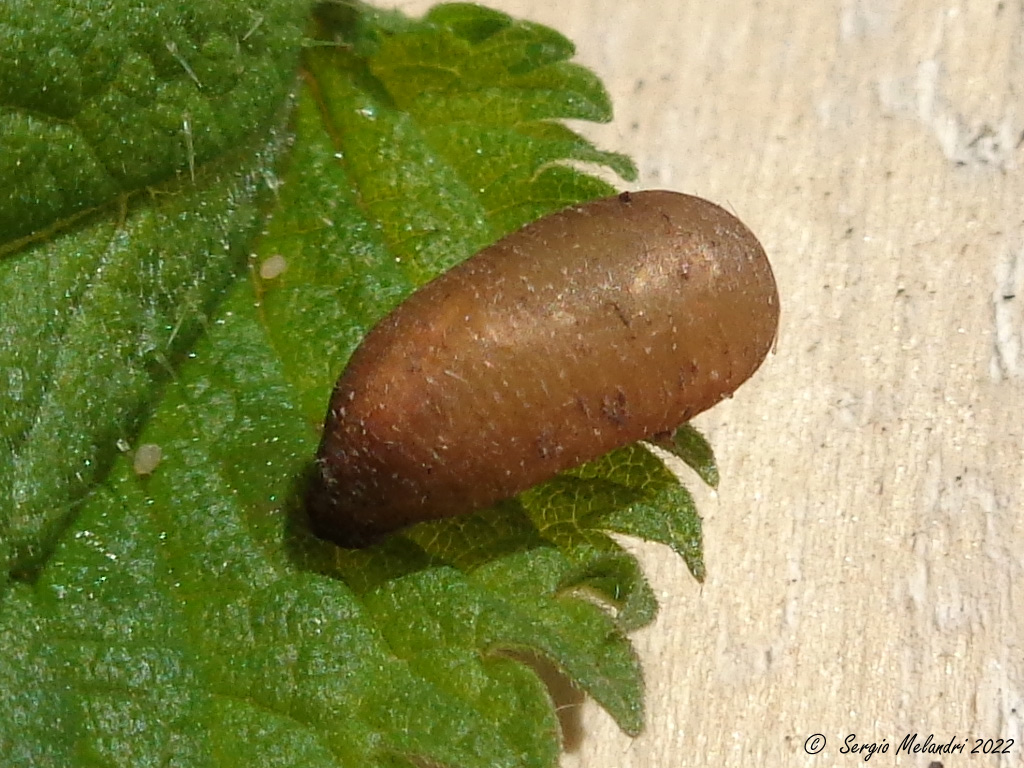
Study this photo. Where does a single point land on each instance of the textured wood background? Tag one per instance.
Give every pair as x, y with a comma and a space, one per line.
865, 546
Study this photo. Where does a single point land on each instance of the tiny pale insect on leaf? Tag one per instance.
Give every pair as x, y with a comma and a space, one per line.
147, 458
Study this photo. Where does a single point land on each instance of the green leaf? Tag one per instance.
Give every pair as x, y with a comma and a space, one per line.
94, 320
693, 448
188, 616
101, 98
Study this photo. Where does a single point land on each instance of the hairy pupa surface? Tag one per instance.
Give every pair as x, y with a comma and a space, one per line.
603, 324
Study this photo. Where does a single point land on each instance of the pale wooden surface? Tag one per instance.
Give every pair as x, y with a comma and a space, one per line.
865, 547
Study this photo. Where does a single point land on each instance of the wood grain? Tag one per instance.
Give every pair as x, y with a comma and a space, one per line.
865, 548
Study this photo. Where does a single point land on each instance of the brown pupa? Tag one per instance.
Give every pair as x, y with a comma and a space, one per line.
603, 324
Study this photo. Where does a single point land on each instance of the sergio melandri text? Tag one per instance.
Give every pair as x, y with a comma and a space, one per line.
911, 744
